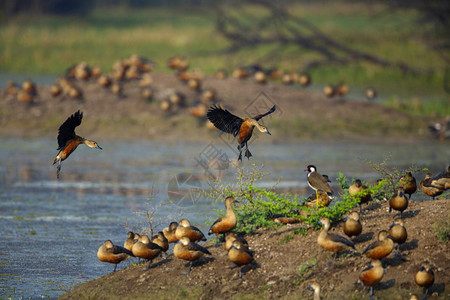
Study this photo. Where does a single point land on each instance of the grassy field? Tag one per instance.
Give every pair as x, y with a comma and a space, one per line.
47, 45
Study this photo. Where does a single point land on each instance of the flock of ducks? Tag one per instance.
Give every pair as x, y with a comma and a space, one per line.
186, 248
185, 235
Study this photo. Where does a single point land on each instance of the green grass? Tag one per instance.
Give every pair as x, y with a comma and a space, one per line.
49, 44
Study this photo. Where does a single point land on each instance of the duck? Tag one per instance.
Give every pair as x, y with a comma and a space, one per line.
317, 182
194, 84
29, 87
424, 277
208, 95
304, 79
146, 250
260, 77
169, 232
146, 93
342, 89
428, 189
352, 225
185, 229
231, 237
130, 241
68, 141
226, 223
358, 187
221, 74
370, 93
399, 202
240, 255
161, 241
441, 180
372, 275
329, 90
12, 88
408, 182
316, 288
188, 250
111, 253
55, 90
146, 80
25, 97
331, 241
324, 200
381, 248
243, 128
104, 80
398, 231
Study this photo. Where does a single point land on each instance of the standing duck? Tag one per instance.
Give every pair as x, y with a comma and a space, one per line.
185, 229
332, 241
111, 253
231, 237
408, 182
381, 248
169, 232
358, 187
68, 141
227, 223
188, 250
161, 241
398, 232
146, 250
240, 255
318, 182
424, 277
352, 225
372, 275
399, 202
243, 128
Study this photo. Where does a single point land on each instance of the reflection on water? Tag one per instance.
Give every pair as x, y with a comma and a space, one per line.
52, 229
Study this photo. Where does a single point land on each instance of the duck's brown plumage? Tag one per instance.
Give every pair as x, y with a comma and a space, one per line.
111, 253
187, 250
231, 237
428, 189
352, 226
68, 141
243, 128
331, 241
372, 275
381, 248
408, 182
146, 249
130, 241
424, 277
399, 202
240, 255
169, 232
226, 223
161, 241
185, 229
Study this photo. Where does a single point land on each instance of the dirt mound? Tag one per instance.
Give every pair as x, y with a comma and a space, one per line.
301, 113
286, 263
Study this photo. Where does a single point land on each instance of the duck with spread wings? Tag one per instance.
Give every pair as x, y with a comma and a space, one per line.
68, 141
242, 128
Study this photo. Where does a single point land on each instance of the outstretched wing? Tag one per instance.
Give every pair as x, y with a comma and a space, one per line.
67, 129
267, 113
224, 120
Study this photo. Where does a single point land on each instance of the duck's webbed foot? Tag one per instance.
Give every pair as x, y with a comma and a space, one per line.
248, 154
240, 156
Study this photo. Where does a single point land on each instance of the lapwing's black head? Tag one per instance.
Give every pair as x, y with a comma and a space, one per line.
311, 168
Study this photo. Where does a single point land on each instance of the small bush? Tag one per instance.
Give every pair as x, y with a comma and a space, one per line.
442, 230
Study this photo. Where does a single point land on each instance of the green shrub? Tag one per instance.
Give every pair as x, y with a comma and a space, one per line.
442, 230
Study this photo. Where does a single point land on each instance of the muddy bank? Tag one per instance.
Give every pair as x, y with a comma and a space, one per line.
286, 263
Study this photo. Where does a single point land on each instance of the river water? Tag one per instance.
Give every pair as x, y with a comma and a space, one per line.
52, 229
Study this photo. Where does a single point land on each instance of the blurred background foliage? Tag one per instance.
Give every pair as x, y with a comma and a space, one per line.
334, 41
